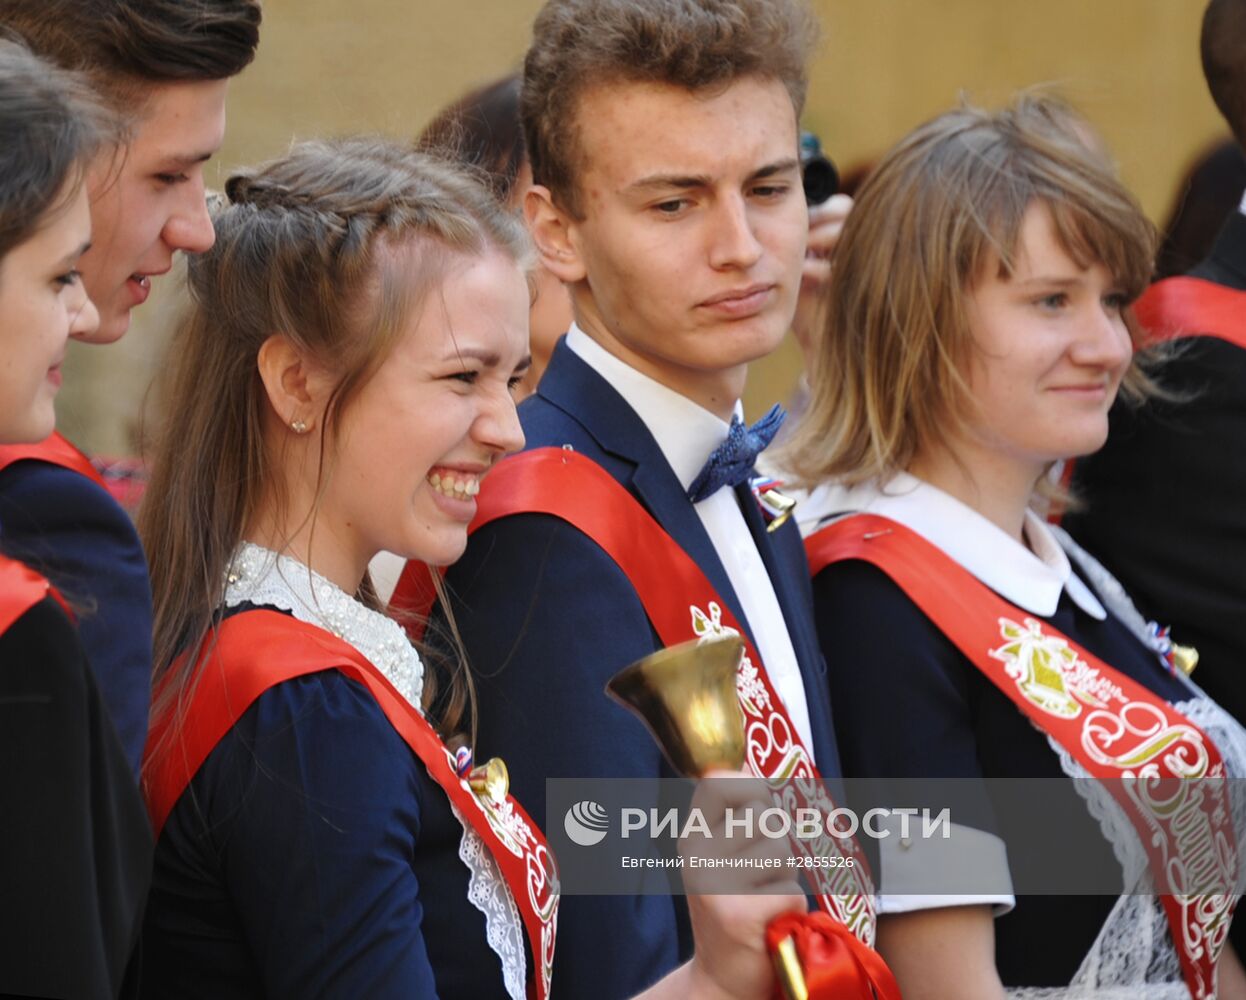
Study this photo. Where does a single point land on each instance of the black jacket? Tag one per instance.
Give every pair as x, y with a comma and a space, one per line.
74, 839
1166, 498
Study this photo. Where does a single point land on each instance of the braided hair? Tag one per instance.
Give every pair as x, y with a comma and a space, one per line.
303, 248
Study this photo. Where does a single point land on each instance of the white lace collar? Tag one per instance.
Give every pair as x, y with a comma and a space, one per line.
1031, 578
260, 576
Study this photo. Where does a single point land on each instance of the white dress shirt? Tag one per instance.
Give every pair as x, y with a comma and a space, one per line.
686, 433
1032, 578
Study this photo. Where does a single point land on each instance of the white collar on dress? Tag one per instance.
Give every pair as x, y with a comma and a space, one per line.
260, 576
685, 431
1033, 580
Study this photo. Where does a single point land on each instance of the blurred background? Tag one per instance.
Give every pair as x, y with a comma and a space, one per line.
333, 66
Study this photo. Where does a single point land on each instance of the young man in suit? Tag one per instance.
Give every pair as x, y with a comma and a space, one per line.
1166, 498
668, 199
163, 66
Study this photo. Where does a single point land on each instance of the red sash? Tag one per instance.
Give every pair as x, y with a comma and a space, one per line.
257, 650
1191, 307
21, 588
55, 450
1111, 724
681, 604
414, 596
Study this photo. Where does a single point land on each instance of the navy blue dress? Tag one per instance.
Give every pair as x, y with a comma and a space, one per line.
909, 704
312, 856
73, 532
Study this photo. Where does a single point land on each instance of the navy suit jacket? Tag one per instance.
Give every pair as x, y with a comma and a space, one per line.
548, 618
72, 531
1166, 497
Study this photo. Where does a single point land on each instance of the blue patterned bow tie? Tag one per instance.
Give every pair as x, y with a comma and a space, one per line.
732, 461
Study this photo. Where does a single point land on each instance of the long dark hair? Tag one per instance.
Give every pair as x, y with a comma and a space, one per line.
50, 127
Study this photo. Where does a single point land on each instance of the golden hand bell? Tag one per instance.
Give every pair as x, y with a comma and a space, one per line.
686, 696
780, 506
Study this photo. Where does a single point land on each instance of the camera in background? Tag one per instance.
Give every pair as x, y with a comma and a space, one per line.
818, 173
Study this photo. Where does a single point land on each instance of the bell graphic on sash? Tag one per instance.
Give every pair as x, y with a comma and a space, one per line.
686, 697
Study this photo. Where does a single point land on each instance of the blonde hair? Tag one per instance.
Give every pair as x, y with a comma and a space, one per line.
887, 373
304, 248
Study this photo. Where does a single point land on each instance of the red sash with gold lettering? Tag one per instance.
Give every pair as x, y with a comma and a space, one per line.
1192, 307
681, 604
1112, 725
256, 650
55, 450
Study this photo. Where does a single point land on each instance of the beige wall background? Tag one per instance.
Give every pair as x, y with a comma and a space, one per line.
883, 66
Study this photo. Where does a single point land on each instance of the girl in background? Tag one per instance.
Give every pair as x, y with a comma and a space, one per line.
482, 129
74, 846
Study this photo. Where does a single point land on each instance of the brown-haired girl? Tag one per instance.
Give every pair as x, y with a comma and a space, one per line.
74, 847
344, 382
978, 332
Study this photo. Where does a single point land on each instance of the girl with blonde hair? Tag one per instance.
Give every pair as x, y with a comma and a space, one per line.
978, 332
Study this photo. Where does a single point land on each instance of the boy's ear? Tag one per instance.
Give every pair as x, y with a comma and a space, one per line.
554, 232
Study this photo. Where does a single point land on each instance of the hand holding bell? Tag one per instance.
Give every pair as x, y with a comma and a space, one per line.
686, 697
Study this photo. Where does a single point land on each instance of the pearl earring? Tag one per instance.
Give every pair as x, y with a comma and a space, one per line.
298, 427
